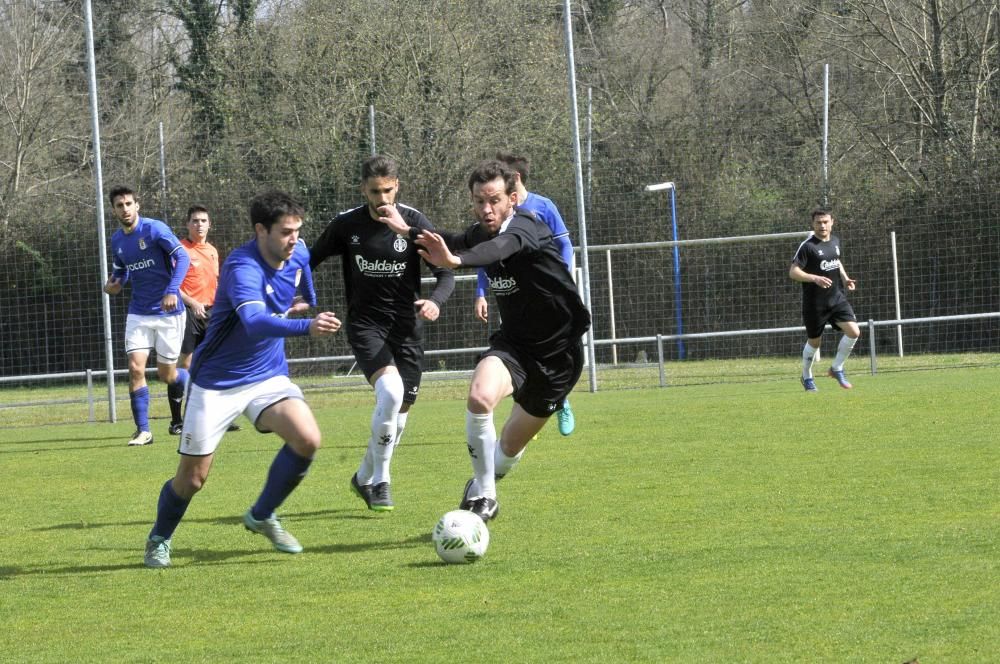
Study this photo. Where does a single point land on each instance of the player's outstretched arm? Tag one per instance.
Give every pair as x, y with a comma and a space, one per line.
324, 324
391, 218
435, 251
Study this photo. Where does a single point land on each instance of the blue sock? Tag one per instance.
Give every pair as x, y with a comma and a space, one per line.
169, 511
182, 378
140, 407
287, 470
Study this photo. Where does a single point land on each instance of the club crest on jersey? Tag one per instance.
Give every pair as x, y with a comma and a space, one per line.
399, 244
142, 243
355, 239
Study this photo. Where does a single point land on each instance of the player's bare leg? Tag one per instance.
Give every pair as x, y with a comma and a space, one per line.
293, 422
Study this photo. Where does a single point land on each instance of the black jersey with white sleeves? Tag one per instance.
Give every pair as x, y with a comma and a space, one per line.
540, 310
821, 258
381, 269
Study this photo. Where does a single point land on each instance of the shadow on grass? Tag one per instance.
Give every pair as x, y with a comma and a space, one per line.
234, 520
28, 446
228, 557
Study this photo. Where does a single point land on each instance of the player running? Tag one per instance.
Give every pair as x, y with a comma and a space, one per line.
241, 368
537, 354
385, 314
818, 266
146, 253
545, 210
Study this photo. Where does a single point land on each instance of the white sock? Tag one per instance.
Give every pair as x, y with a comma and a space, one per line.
388, 401
503, 464
367, 467
809, 357
844, 349
400, 425
482, 437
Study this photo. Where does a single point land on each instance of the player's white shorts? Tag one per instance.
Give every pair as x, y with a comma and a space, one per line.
164, 334
208, 413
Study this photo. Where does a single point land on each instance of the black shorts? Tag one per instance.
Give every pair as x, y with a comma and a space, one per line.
375, 348
816, 320
540, 385
194, 331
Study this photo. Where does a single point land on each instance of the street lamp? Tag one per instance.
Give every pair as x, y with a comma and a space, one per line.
669, 186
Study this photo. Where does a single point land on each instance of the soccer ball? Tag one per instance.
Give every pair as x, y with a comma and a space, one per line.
461, 537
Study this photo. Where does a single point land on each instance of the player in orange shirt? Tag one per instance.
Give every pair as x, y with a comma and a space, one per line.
198, 289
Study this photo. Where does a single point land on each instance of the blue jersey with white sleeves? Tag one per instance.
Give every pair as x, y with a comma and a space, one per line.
245, 340
154, 261
546, 211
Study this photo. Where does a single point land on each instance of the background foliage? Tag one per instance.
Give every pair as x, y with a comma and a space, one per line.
723, 97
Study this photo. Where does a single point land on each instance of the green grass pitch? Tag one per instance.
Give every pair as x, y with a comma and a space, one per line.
709, 523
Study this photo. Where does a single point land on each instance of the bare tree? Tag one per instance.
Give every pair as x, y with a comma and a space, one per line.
37, 109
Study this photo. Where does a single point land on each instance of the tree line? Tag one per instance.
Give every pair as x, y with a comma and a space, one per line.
723, 97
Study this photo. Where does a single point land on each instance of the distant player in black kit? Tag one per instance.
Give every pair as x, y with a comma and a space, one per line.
384, 313
536, 355
818, 266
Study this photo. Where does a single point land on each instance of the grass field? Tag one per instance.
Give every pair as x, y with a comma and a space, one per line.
709, 523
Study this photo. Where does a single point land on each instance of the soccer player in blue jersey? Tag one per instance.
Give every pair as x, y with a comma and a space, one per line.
817, 265
146, 253
240, 368
385, 314
545, 210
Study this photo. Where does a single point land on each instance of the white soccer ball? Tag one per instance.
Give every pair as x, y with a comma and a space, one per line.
461, 537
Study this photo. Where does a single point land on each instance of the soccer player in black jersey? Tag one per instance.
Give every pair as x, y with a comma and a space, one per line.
818, 266
536, 355
384, 313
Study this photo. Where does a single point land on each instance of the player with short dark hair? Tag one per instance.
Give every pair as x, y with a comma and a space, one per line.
385, 313
146, 253
537, 354
545, 210
818, 266
241, 369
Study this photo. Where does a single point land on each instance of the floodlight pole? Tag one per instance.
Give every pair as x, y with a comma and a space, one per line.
664, 186
99, 192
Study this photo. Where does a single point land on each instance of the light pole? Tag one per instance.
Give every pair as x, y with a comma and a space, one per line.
669, 186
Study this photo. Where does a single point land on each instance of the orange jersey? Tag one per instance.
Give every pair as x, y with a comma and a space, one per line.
203, 276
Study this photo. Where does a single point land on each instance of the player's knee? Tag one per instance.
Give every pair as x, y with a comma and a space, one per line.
188, 484
306, 443
389, 391
479, 402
